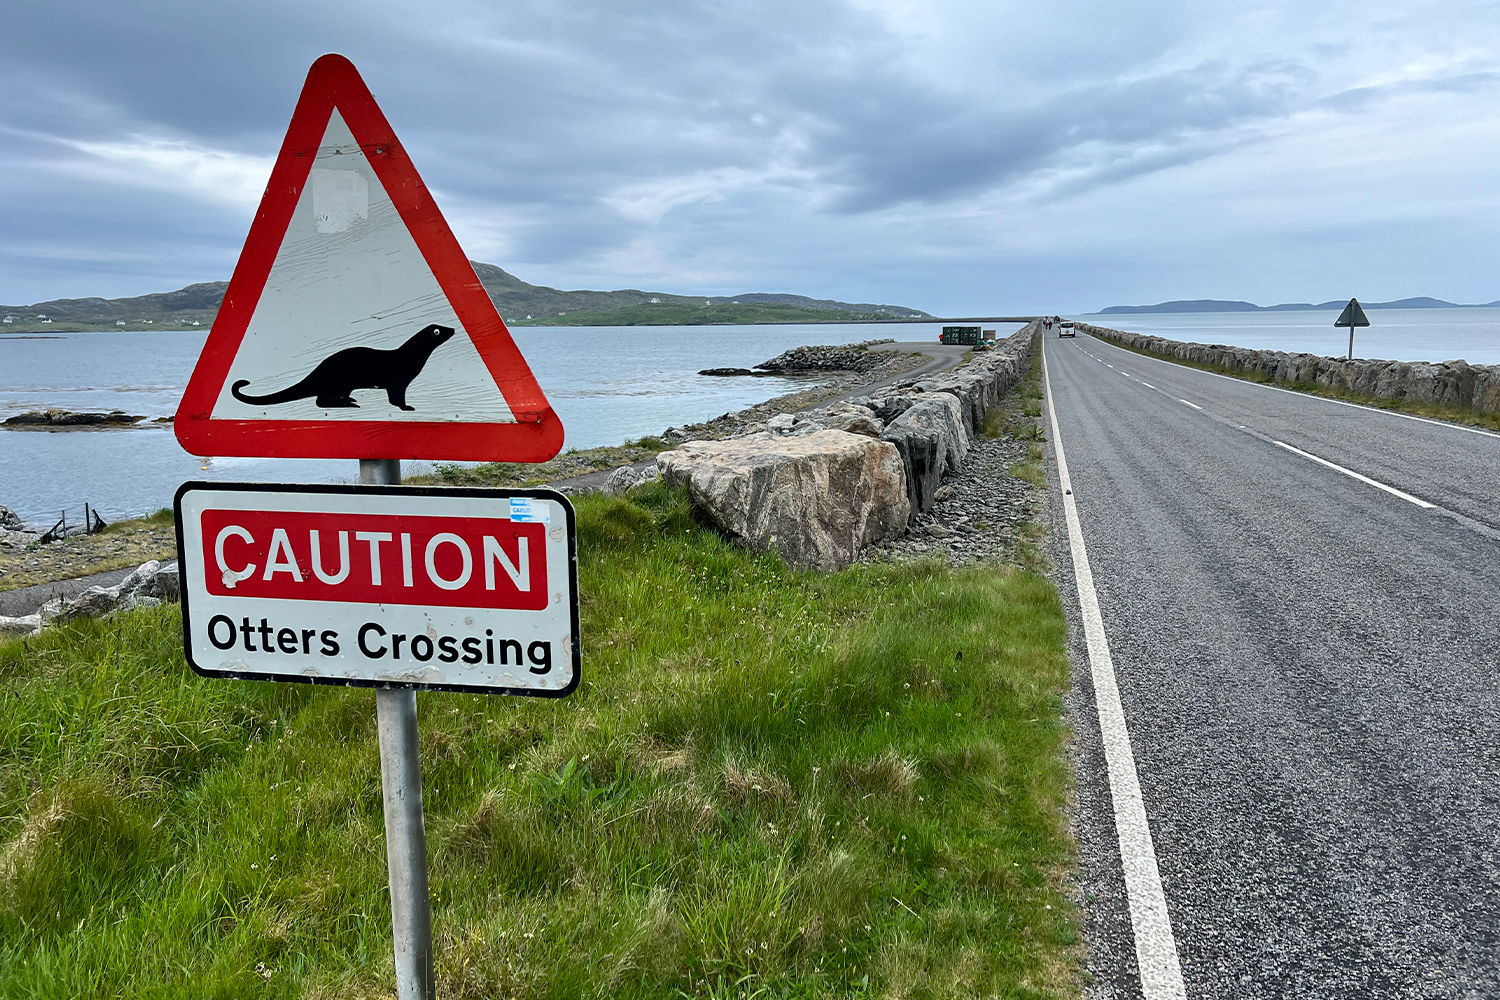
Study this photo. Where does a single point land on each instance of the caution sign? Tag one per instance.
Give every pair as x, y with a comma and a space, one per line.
390, 586
354, 325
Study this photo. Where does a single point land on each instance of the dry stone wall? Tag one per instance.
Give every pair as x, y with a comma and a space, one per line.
1447, 383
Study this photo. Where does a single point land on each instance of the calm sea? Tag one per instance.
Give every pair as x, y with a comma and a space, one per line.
1393, 334
607, 384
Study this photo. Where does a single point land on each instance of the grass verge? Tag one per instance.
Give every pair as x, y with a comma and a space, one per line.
1019, 417
770, 784
1434, 411
121, 544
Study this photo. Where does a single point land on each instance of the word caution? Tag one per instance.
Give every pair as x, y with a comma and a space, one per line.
366, 558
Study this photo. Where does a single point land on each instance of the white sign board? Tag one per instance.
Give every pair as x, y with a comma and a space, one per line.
383, 586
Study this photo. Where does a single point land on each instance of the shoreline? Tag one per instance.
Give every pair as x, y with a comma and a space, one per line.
572, 469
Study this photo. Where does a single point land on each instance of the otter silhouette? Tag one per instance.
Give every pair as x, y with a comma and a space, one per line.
338, 375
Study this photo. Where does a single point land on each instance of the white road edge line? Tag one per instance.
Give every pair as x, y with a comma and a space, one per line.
1155, 945
1305, 395
1193, 405
1354, 475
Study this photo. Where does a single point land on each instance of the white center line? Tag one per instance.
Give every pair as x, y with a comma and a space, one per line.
1354, 475
1148, 385
1193, 405
1155, 944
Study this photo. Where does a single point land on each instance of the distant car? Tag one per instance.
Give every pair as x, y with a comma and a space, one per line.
1066, 330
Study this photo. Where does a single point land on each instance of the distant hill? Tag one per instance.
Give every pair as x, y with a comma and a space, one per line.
1225, 305
517, 301
720, 312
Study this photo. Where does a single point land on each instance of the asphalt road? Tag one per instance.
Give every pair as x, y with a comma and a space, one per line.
1309, 666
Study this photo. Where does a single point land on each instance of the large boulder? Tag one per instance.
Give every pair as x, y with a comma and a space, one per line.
931, 438
818, 498
22, 625
922, 461
147, 585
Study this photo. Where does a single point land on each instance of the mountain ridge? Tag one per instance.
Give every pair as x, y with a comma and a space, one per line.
1234, 305
517, 301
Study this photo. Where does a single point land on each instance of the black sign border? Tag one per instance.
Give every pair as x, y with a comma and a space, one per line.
364, 490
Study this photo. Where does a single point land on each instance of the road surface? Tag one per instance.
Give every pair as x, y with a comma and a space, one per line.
1309, 669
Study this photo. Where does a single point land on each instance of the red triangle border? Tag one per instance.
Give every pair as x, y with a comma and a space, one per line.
333, 82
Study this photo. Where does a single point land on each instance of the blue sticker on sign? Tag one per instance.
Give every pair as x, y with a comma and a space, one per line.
525, 510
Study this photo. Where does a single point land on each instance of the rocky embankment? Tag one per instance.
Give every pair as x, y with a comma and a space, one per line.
48, 419
1445, 383
817, 360
148, 585
824, 485
845, 358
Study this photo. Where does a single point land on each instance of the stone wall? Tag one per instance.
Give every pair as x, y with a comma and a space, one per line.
1447, 383
821, 485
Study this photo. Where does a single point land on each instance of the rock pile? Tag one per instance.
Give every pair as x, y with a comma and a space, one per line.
148, 585
845, 358
13, 531
1450, 383
823, 484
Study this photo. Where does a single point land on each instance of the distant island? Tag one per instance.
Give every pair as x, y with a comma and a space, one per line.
1225, 305
520, 304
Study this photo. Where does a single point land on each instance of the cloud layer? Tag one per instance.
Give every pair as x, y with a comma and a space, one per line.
953, 156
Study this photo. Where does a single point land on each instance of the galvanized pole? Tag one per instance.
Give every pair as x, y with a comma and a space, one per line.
1351, 338
405, 833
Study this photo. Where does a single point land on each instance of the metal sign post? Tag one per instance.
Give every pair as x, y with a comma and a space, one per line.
399, 588
405, 827
354, 324
1352, 316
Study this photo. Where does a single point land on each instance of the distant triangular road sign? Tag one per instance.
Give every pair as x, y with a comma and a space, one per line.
354, 326
1352, 315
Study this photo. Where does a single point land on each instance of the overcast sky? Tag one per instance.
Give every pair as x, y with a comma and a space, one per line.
953, 156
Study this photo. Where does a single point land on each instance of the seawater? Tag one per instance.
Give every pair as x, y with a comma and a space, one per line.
608, 384
1393, 334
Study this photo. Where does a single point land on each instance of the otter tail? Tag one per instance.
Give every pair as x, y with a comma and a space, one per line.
284, 396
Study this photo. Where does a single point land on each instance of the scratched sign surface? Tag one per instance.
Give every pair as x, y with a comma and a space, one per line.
354, 325
388, 586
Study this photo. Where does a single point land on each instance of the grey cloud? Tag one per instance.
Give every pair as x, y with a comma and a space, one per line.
806, 123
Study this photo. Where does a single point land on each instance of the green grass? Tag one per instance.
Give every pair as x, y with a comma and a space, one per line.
1018, 414
1435, 411
682, 314
770, 784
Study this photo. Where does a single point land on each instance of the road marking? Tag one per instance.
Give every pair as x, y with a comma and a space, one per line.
1304, 395
1148, 385
1354, 475
1193, 405
1155, 944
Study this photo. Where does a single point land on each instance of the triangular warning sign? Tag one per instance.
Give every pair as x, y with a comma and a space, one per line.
1352, 315
354, 326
